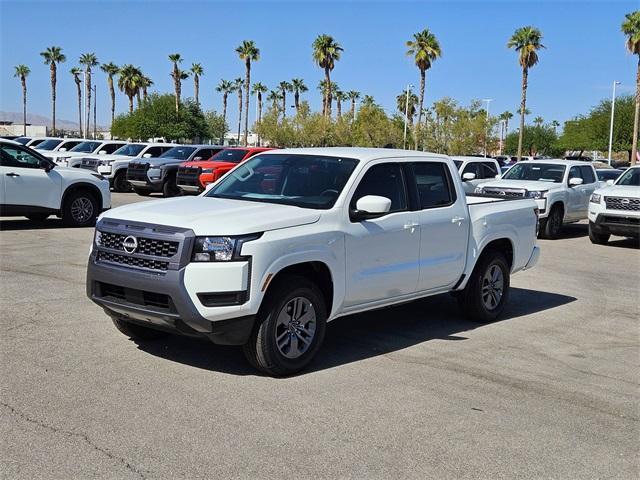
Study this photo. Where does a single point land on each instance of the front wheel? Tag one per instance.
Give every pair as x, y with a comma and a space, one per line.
597, 237
170, 187
120, 183
551, 226
136, 332
290, 327
486, 294
80, 209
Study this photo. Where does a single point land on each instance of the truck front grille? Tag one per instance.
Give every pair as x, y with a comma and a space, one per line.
146, 246
89, 164
505, 192
188, 176
137, 171
623, 203
138, 262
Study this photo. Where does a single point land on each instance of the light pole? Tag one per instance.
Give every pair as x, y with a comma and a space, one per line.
486, 128
85, 133
613, 108
95, 101
406, 117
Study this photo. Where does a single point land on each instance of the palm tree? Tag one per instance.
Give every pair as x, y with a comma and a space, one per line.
129, 82
555, 124
274, 97
353, 96
52, 57
538, 121
526, 41
197, 71
368, 101
111, 69
177, 76
22, 72
237, 86
326, 52
225, 87
506, 116
248, 52
284, 88
631, 28
89, 60
76, 71
258, 90
298, 87
145, 83
425, 49
340, 97
401, 105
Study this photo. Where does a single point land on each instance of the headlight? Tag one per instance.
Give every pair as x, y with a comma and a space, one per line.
220, 249
478, 190
154, 173
595, 198
537, 195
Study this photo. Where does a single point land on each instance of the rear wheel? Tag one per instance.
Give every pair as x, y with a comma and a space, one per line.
551, 226
80, 209
137, 332
38, 217
289, 328
170, 187
597, 237
120, 183
487, 292
143, 192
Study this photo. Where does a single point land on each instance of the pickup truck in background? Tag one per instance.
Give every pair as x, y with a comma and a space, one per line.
561, 189
159, 174
476, 170
193, 177
615, 209
291, 239
72, 158
58, 144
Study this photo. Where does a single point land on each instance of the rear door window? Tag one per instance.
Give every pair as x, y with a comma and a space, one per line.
587, 174
435, 188
489, 170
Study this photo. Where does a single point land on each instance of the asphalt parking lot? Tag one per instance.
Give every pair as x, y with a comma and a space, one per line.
416, 391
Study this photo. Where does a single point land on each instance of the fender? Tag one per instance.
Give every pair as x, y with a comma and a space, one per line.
474, 251
79, 185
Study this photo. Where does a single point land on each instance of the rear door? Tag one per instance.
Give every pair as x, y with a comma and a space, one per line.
444, 225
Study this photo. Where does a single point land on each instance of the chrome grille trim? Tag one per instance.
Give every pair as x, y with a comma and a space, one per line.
623, 203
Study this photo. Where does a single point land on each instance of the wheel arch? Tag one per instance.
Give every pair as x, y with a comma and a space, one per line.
78, 186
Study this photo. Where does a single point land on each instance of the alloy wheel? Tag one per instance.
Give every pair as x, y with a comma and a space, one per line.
295, 327
492, 287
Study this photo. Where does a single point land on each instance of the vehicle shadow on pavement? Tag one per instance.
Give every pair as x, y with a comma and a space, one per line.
358, 337
26, 224
574, 230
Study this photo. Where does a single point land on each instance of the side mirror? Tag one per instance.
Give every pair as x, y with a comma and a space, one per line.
146, 155
370, 206
575, 181
468, 176
610, 182
46, 165
102, 152
63, 149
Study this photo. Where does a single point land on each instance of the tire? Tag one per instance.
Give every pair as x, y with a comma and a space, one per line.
597, 237
551, 227
170, 187
143, 192
137, 332
274, 322
120, 183
38, 217
80, 209
478, 300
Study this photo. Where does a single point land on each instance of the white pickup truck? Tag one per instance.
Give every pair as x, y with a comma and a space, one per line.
291, 239
72, 158
615, 209
561, 189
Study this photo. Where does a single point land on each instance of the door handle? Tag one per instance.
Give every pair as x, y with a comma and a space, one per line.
457, 219
11, 174
410, 225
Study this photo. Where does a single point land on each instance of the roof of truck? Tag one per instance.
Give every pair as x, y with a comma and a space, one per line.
359, 153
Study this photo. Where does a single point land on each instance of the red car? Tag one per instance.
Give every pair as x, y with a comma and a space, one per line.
193, 177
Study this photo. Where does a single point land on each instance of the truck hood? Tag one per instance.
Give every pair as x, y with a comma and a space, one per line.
530, 185
629, 191
215, 216
207, 164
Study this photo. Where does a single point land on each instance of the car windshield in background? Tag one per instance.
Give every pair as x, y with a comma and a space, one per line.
630, 178
458, 163
308, 181
130, 150
22, 140
85, 147
541, 172
49, 144
229, 155
604, 175
181, 153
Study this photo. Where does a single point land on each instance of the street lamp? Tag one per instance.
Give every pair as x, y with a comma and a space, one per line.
486, 129
613, 107
406, 117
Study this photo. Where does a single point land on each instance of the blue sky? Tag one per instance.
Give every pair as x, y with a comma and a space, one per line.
585, 49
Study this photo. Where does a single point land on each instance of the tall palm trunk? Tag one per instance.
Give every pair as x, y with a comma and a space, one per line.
284, 103
353, 108
138, 99
23, 80
338, 107
130, 103
144, 93
296, 100
326, 109
636, 119
52, 71
259, 112
224, 113
176, 85
423, 76
196, 86
112, 92
88, 103
247, 91
523, 106
79, 91
239, 112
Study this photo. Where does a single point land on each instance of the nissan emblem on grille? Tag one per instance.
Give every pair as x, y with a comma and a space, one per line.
130, 244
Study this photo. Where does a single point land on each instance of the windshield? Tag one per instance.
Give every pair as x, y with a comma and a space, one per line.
22, 140
85, 147
130, 150
49, 144
229, 155
541, 172
181, 153
308, 181
630, 178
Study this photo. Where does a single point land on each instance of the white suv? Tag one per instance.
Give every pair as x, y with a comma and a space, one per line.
615, 209
561, 189
33, 186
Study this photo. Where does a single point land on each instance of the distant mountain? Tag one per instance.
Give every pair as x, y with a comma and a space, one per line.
35, 119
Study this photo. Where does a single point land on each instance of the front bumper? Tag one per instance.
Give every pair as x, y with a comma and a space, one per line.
615, 224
